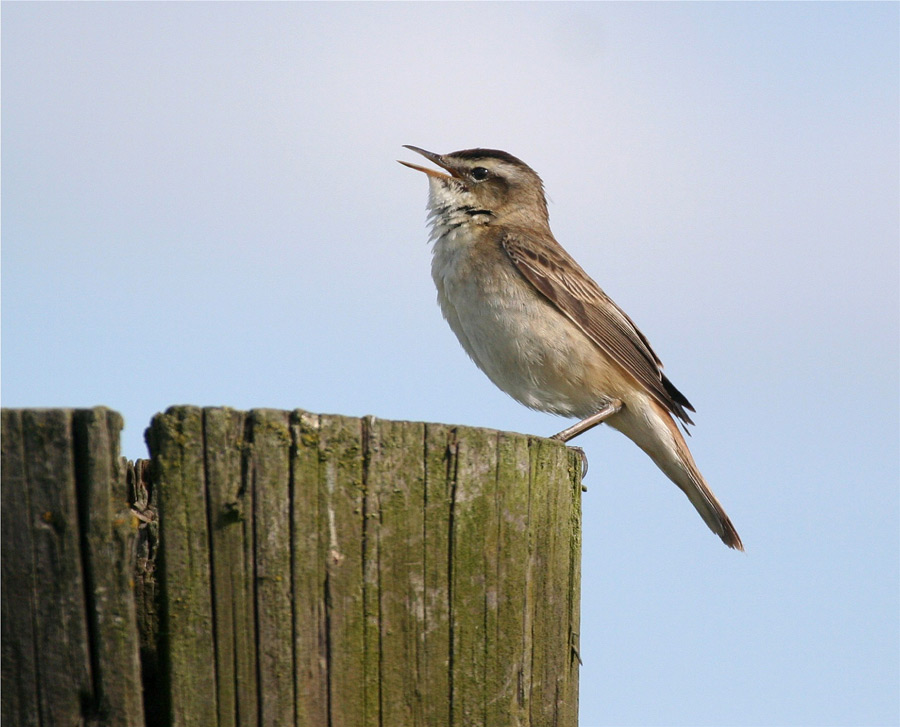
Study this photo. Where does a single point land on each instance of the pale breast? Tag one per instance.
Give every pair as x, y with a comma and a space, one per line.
520, 340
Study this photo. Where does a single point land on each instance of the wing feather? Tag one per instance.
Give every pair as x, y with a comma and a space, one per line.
556, 275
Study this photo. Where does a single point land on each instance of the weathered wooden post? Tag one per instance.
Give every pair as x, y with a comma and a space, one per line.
315, 570
70, 646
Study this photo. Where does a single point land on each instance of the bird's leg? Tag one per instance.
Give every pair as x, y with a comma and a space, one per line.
592, 421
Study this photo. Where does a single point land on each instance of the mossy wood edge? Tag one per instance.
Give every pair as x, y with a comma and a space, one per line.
311, 570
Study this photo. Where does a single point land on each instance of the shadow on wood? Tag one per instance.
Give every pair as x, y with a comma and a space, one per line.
311, 570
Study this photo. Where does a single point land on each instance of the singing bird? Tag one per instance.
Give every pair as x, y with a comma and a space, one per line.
539, 327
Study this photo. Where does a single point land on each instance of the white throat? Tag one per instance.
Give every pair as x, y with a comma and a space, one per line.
452, 208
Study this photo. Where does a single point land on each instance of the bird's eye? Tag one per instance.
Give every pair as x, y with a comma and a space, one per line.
479, 174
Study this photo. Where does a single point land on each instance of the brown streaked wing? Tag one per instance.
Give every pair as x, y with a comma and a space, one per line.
550, 269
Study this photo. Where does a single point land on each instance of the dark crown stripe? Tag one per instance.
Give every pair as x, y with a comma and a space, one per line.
471, 154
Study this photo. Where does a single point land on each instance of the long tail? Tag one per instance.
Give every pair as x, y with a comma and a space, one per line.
672, 456
702, 498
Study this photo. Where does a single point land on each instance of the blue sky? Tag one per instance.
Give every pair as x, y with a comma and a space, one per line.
201, 204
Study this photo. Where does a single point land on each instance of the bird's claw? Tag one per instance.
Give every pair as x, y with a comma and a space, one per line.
584, 464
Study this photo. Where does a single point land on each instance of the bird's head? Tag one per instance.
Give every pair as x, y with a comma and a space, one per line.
490, 185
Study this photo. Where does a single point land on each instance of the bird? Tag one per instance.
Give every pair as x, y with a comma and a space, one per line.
538, 325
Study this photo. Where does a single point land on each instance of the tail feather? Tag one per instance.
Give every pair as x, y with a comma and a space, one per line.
672, 456
684, 473
710, 509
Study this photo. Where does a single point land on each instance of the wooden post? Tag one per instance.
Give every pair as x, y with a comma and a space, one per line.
312, 570
70, 646
327, 570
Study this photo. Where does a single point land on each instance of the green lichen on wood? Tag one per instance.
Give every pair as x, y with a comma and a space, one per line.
471, 518
439, 459
395, 566
511, 600
341, 530
230, 503
554, 671
61, 629
175, 439
108, 533
308, 568
324, 569
270, 475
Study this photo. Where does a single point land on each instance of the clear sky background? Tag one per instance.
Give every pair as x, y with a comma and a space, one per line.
201, 204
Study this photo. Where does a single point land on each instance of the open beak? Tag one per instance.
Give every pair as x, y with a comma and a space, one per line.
432, 157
